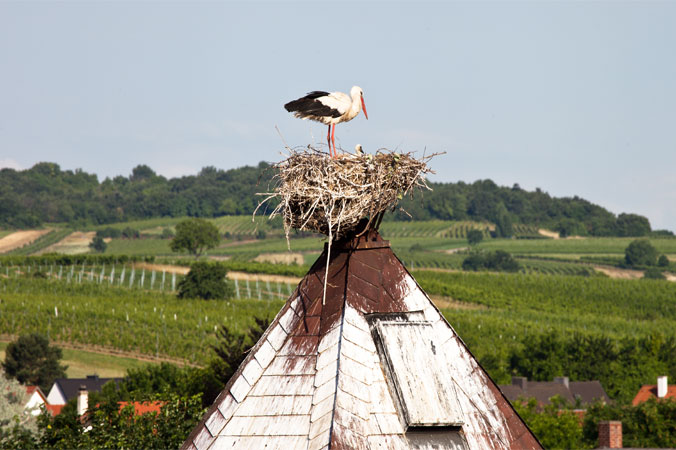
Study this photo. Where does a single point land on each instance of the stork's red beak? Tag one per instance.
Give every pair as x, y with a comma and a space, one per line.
363, 106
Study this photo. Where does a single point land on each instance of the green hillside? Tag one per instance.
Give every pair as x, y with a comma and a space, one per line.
47, 194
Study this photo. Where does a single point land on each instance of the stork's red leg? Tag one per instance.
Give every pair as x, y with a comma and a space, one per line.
333, 139
328, 139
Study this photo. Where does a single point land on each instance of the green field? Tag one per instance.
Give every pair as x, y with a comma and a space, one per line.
82, 363
44, 241
582, 246
139, 247
157, 323
556, 289
133, 320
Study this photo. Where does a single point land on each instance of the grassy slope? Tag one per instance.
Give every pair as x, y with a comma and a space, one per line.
150, 323
82, 363
607, 246
515, 306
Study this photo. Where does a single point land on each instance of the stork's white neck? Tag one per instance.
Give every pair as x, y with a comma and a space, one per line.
355, 107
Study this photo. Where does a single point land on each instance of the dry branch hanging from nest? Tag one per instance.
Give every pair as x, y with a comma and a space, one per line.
330, 196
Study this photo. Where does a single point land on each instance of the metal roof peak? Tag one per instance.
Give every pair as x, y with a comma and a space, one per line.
317, 377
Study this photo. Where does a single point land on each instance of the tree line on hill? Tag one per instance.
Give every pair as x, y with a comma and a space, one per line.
47, 194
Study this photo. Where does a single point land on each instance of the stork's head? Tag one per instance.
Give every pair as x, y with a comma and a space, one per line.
357, 93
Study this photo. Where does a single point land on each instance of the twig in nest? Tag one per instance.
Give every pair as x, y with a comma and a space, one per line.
330, 196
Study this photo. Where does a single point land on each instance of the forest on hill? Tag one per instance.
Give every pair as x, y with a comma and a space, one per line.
47, 194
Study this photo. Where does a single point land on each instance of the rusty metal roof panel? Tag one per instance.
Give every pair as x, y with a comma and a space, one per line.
316, 378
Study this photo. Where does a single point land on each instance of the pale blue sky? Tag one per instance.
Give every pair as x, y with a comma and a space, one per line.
574, 98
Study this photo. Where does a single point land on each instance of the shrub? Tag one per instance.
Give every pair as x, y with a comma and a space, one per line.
663, 261
98, 244
205, 280
109, 232
640, 253
130, 233
498, 260
167, 233
653, 273
474, 236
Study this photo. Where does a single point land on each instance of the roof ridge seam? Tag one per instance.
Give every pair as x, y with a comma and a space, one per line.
340, 344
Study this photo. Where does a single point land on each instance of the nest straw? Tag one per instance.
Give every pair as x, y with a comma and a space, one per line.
331, 195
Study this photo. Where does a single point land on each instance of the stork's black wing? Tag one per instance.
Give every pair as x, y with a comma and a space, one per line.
310, 107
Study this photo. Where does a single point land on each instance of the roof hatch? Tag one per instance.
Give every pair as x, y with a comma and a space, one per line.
417, 371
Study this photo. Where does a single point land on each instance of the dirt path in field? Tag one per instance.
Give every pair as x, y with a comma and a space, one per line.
549, 234
263, 277
73, 244
622, 274
437, 269
232, 275
179, 270
442, 302
455, 250
628, 274
20, 238
237, 243
108, 351
280, 258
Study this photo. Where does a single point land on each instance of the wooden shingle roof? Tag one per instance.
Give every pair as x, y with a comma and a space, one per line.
343, 374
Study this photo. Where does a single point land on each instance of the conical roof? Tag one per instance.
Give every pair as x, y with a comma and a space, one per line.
374, 366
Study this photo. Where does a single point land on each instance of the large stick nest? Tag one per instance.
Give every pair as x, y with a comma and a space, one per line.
330, 196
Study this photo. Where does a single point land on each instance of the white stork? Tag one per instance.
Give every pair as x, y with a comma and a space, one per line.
329, 108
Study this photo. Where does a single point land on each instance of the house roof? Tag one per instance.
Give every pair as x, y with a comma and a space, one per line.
31, 389
54, 410
70, 386
649, 391
587, 391
344, 373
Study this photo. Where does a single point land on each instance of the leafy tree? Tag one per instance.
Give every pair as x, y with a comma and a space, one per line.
632, 225
167, 233
98, 244
555, 425
31, 360
474, 236
205, 280
110, 426
231, 349
651, 424
195, 236
17, 425
621, 367
640, 253
542, 358
663, 261
570, 227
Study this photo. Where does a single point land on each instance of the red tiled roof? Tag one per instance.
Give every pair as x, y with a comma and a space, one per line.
31, 389
54, 410
649, 391
141, 408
